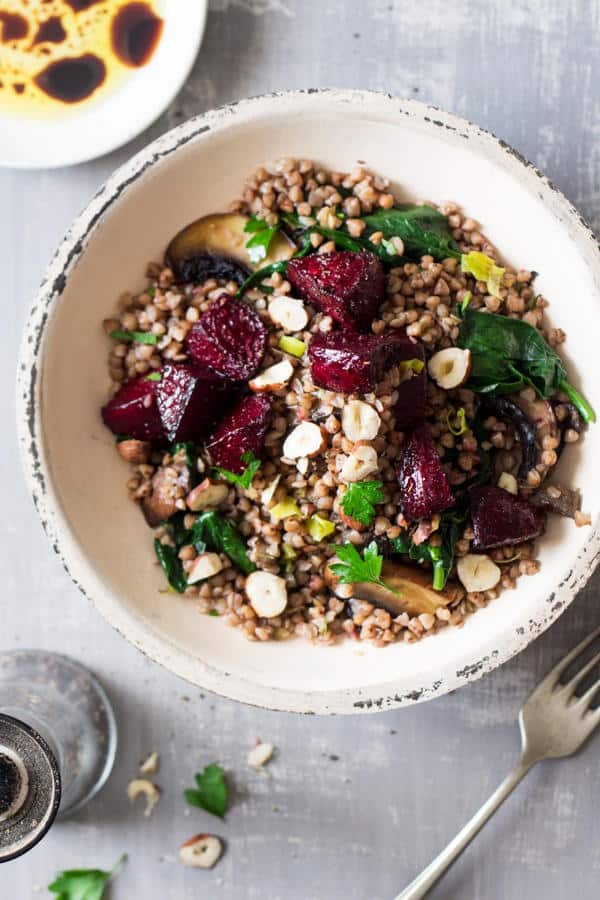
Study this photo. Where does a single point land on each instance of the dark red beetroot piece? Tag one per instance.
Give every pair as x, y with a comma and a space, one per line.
230, 338
133, 411
423, 483
412, 395
242, 431
500, 518
347, 286
412, 399
353, 363
190, 400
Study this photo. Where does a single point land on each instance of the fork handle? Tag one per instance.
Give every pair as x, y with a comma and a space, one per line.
434, 871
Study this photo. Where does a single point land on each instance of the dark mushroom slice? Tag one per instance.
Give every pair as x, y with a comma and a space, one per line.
556, 498
533, 420
215, 247
568, 419
412, 591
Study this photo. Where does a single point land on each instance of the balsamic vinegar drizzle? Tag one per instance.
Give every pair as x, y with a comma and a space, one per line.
135, 32
60, 52
72, 80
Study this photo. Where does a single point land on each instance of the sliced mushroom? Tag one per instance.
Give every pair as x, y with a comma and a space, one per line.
215, 247
568, 419
533, 419
556, 498
409, 590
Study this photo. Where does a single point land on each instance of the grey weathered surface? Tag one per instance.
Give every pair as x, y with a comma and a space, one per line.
350, 808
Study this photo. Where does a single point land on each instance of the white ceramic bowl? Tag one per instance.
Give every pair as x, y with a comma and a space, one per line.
108, 120
78, 481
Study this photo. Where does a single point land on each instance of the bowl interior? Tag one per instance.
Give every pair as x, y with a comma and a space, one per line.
199, 169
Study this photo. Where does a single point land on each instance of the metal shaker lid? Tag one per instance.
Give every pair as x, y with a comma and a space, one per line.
29, 787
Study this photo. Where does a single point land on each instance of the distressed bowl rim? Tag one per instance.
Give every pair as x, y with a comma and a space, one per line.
38, 477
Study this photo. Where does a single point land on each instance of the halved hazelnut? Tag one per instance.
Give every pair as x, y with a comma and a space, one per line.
133, 451
260, 755
267, 594
478, 572
202, 851
288, 313
305, 439
450, 367
204, 566
360, 463
360, 422
206, 494
273, 378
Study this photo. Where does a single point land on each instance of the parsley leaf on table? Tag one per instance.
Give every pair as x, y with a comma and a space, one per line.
359, 500
245, 479
211, 792
352, 568
82, 884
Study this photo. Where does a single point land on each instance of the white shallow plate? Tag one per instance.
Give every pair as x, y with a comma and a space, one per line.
78, 481
103, 123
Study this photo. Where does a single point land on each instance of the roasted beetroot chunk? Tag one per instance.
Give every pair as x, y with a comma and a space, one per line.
347, 286
190, 400
133, 412
412, 395
242, 431
500, 518
353, 363
230, 338
412, 399
423, 483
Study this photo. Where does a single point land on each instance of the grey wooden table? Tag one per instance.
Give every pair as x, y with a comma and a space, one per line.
350, 808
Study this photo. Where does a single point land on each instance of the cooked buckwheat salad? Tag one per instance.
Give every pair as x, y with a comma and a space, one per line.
341, 413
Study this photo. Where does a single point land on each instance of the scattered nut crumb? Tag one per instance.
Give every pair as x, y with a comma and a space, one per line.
260, 755
202, 851
150, 791
582, 518
150, 764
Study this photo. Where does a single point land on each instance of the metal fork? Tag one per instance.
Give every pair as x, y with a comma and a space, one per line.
554, 722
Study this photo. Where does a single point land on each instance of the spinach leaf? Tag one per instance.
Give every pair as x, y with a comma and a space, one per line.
441, 558
171, 565
219, 533
508, 354
423, 230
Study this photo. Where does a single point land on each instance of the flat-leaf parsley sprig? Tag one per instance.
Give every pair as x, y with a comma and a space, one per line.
359, 500
353, 568
211, 792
